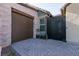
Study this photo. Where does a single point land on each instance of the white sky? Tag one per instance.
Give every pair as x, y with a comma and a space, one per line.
54, 8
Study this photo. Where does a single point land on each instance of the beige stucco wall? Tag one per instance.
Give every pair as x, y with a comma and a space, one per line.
5, 21
72, 23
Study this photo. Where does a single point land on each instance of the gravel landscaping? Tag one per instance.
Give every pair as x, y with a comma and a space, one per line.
40, 47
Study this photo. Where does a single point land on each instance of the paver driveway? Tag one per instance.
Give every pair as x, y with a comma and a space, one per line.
39, 47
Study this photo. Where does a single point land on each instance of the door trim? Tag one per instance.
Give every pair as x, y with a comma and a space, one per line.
21, 12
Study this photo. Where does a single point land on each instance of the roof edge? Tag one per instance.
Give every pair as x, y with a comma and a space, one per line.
35, 8
63, 9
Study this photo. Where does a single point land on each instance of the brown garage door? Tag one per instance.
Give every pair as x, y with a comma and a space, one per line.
22, 27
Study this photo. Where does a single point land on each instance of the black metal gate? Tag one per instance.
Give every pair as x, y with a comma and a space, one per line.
56, 28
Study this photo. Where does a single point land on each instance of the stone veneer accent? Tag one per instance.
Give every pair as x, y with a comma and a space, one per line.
5, 21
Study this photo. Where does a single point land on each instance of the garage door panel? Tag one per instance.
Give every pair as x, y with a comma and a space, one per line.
22, 27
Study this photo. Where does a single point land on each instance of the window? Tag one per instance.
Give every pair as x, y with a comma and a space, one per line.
42, 27
42, 21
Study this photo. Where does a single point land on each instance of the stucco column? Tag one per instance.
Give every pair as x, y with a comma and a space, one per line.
0, 51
